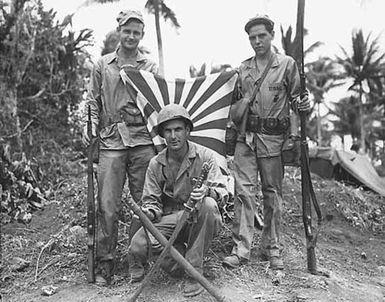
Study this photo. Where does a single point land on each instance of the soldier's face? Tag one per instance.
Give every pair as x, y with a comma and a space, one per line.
130, 34
260, 39
176, 134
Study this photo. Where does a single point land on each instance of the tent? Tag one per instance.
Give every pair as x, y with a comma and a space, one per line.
347, 166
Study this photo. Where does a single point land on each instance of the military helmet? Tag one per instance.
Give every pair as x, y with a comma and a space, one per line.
172, 112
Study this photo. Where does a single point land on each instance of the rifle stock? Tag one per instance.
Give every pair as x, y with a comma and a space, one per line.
91, 229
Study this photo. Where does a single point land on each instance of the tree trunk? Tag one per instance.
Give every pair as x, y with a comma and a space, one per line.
159, 38
12, 85
15, 115
383, 159
361, 120
319, 133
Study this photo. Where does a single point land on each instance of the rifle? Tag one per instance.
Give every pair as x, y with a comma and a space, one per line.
189, 207
174, 253
91, 219
306, 184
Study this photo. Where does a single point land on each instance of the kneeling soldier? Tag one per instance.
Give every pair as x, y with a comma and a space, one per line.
169, 184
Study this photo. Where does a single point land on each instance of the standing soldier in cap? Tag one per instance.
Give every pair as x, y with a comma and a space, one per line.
168, 186
269, 84
125, 144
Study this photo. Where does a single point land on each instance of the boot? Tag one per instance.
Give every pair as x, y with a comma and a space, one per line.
104, 273
275, 258
276, 263
233, 261
135, 269
192, 288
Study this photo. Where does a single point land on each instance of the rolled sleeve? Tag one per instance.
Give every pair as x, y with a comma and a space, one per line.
152, 193
217, 182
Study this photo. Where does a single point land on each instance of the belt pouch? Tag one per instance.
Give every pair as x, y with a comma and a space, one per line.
253, 123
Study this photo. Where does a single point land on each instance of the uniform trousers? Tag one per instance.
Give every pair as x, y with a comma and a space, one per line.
247, 166
196, 236
113, 169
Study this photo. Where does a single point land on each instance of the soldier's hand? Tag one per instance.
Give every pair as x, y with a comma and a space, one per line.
85, 138
198, 193
303, 103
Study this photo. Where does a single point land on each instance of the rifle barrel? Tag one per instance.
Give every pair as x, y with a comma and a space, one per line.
305, 174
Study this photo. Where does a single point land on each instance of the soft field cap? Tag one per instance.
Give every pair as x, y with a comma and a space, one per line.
126, 15
258, 19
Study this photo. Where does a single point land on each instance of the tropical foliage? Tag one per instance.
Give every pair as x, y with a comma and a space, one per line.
291, 48
364, 66
43, 77
320, 78
44, 69
290, 44
159, 7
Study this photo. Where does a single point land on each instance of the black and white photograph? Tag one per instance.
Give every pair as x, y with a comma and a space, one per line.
173, 151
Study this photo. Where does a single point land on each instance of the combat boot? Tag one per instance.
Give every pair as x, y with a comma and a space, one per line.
136, 269
233, 261
275, 259
192, 288
276, 263
104, 273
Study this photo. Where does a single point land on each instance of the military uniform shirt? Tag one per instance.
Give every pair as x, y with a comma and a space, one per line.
278, 92
110, 102
164, 195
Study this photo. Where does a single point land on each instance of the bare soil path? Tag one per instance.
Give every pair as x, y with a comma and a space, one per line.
50, 254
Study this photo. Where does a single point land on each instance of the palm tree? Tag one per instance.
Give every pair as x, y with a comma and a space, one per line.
346, 113
321, 77
364, 66
155, 7
291, 48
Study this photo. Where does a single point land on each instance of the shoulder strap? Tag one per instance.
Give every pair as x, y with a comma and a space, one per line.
262, 78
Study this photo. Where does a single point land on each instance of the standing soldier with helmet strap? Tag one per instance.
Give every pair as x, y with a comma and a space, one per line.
125, 144
269, 84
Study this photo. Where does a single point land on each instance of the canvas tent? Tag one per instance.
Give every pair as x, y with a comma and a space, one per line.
346, 166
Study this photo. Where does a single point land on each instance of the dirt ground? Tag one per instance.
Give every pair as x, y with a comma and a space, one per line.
46, 260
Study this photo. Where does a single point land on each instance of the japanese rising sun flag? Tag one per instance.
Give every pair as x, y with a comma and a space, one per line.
207, 99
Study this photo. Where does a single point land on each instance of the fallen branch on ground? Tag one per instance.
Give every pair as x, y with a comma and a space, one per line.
48, 244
